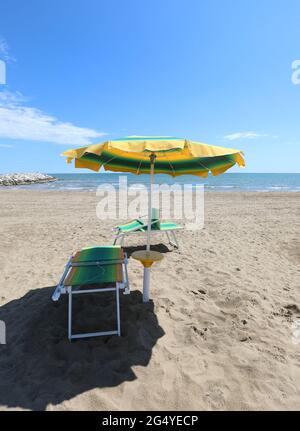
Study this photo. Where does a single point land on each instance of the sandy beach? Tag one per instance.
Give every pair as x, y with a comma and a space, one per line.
217, 336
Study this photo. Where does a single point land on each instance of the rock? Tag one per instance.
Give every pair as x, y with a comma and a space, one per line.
28, 178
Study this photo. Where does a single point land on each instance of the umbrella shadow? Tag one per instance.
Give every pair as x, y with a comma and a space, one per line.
39, 366
162, 248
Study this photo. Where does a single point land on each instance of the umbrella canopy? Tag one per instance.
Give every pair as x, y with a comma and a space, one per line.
173, 156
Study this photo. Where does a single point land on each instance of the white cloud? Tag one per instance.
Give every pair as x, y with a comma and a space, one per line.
243, 135
4, 51
6, 146
18, 121
9, 98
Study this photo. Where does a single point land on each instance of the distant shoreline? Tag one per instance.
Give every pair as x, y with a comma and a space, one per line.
16, 179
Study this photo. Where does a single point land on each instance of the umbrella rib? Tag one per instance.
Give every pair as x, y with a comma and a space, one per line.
138, 169
171, 166
200, 164
115, 157
105, 163
203, 166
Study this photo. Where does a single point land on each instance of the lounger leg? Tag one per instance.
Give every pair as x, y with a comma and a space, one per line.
174, 242
59, 287
168, 236
127, 288
70, 314
175, 239
117, 237
118, 310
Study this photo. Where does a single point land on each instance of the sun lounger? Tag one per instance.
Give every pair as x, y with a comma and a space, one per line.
139, 226
93, 270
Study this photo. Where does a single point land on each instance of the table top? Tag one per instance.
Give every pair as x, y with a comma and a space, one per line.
147, 257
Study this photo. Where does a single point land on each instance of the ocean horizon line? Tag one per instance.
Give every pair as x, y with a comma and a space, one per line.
233, 181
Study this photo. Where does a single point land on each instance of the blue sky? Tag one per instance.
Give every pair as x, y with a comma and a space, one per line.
217, 71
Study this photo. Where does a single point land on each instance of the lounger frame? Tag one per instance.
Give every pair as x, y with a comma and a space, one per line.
119, 237
72, 290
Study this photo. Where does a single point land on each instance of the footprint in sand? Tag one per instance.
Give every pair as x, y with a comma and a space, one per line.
296, 332
201, 291
292, 309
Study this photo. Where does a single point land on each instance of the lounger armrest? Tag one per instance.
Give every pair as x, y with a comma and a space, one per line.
130, 221
140, 227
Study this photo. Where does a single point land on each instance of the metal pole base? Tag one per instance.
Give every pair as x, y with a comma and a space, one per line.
146, 285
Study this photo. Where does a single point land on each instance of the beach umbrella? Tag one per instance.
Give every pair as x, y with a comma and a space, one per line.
155, 155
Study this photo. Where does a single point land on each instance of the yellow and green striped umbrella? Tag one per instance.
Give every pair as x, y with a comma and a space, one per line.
173, 156
155, 155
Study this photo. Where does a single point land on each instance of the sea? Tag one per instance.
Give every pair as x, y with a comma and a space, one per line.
228, 182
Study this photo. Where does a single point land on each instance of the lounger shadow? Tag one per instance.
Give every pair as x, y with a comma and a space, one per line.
162, 248
39, 366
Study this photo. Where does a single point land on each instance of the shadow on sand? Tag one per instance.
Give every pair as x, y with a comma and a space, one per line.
38, 365
162, 248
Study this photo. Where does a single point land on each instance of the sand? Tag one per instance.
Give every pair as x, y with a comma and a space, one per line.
217, 336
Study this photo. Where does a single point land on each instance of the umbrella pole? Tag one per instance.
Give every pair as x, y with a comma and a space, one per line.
146, 284
152, 158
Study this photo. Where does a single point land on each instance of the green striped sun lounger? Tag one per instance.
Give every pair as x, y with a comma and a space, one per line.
94, 270
140, 225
